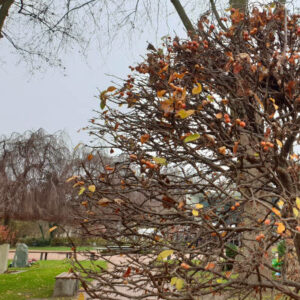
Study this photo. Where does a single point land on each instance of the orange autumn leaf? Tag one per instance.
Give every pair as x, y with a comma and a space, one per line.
167, 106
179, 76
52, 228
235, 147
280, 228
181, 204
90, 156
108, 168
161, 93
210, 266
185, 266
227, 274
276, 211
258, 100
219, 115
145, 138
222, 150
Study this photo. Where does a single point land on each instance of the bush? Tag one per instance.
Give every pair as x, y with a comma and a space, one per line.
64, 241
231, 251
34, 242
281, 249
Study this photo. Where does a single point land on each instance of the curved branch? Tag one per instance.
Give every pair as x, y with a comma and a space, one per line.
215, 12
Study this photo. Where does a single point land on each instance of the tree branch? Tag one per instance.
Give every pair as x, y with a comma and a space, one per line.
215, 12
183, 16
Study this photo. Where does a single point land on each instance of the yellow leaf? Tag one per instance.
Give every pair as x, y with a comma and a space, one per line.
280, 228
280, 203
52, 228
179, 284
219, 115
77, 146
191, 138
71, 178
103, 202
161, 93
92, 188
296, 212
279, 143
160, 160
164, 254
199, 205
183, 114
82, 189
81, 296
197, 90
298, 202
195, 213
276, 211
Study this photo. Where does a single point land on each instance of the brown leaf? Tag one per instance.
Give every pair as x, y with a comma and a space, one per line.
145, 138
127, 273
235, 147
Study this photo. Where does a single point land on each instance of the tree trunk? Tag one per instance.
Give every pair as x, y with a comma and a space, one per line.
183, 16
6, 220
5, 6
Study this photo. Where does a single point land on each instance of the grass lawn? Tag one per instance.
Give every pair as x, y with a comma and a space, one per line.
38, 280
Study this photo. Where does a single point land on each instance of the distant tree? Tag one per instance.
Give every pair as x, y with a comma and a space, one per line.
208, 128
33, 168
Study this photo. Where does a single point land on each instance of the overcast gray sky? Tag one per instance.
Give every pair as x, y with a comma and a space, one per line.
58, 100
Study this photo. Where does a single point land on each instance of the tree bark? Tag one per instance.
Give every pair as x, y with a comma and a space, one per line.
5, 6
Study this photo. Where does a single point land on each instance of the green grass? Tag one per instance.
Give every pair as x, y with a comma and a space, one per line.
38, 280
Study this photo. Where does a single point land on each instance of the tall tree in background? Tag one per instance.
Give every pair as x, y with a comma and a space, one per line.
33, 168
222, 109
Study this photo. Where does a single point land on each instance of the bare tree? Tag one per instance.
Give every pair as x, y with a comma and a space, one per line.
33, 168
